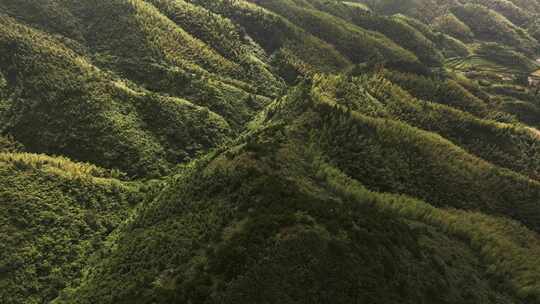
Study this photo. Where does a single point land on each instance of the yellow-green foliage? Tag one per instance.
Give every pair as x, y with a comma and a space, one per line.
172, 41
534, 29
507, 57
225, 38
54, 214
507, 8
275, 33
452, 47
342, 9
146, 40
389, 7
357, 44
3, 85
62, 104
505, 145
530, 6
444, 91
8, 144
489, 25
511, 251
215, 30
359, 5
61, 165
401, 33
362, 182
423, 10
448, 46
451, 25
350, 93
392, 156
420, 26
145, 33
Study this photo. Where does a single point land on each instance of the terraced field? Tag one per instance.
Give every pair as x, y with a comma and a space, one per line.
479, 63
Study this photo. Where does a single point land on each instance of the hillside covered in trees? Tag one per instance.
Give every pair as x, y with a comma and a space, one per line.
269, 151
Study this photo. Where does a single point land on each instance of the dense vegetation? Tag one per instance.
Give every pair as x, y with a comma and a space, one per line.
54, 215
267, 231
269, 151
489, 25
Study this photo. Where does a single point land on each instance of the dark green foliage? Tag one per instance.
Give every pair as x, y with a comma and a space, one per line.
421, 174
8, 144
452, 47
448, 46
534, 28
225, 38
146, 47
420, 26
396, 29
518, 15
247, 227
274, 33
424, 10
354, 42
46, 14
394, 157
444, 91
490, 25
305, 151
389, 7
452, 26
525, 111
530, 6
404, 35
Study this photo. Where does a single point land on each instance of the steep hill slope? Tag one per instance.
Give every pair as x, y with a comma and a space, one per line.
57, 102
356, 43
278, 224
489, 25
53, 215
506, 145
269, 151
294, 49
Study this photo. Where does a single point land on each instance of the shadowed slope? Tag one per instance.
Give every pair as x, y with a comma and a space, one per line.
276, 224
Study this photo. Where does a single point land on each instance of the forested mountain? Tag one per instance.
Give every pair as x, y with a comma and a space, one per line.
269, 151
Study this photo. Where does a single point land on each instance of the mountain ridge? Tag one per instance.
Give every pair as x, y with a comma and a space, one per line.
280, 151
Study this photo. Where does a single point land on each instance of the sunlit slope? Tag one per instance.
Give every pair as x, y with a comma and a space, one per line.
356, 43
393, 28
54, 214
506, 145
155, 52
391, 156
489, 25
225, 38
58, 103
143, 32
294, 49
